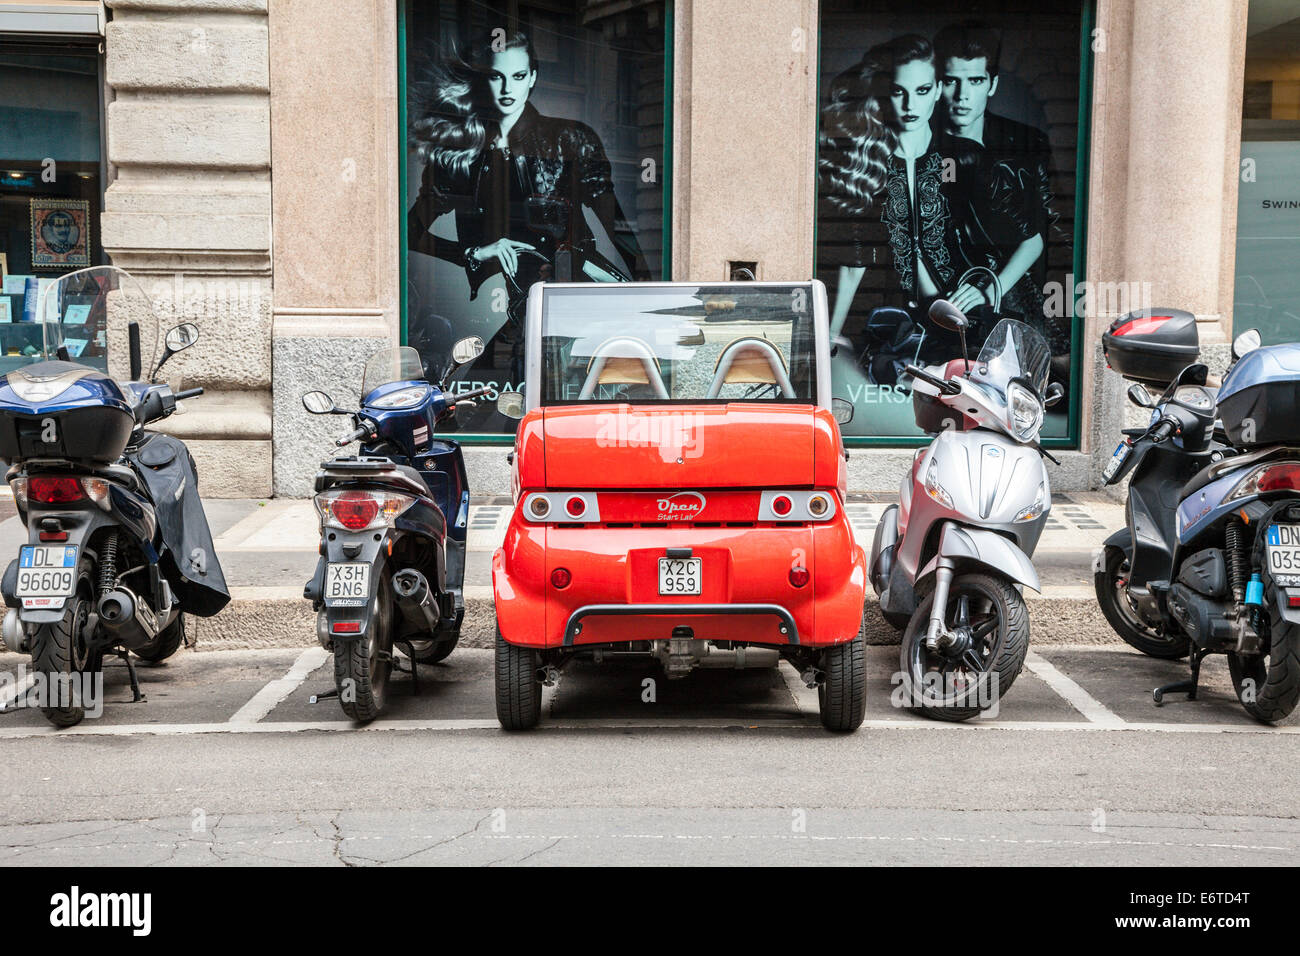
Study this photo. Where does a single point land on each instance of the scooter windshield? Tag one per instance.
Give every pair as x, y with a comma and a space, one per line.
88, 313
391, 365
1013, 351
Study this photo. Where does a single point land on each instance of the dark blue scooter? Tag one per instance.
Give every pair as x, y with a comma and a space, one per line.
119, 548
393, 528
1210, 560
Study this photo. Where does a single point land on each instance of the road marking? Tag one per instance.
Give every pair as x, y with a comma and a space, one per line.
266, 699
604, 724
1074, 695
15, 692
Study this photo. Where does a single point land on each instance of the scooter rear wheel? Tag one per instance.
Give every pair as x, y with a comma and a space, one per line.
1268, 685
1109, 583
62, 654
362, 665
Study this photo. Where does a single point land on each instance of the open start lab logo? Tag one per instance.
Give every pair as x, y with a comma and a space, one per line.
683, 506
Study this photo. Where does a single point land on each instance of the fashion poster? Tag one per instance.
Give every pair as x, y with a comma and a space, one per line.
947, 147
535, 152
60, 235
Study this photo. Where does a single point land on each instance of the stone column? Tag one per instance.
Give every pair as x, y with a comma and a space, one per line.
189, 213
335, 147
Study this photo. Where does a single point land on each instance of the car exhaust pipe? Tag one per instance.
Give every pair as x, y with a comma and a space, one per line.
13, 633
415, 598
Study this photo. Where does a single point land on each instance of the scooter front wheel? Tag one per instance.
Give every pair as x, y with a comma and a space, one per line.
1111, 582
989, 626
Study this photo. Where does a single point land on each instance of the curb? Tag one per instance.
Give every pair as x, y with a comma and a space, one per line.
279, 617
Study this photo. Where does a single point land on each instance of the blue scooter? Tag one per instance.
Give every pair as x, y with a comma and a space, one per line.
119, 548
393, 523
1210, 560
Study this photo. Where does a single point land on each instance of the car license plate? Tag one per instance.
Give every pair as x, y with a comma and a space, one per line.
680, 575
1116, 460
347, 585
46, 571
1283, 550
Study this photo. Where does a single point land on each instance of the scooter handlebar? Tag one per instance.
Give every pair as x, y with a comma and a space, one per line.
457, 399
358, 433
189, 393
948, 388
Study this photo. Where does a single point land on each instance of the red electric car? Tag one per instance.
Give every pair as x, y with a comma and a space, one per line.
679, 483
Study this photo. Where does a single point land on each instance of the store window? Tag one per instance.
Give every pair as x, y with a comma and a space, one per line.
51, 183
1267, 287
537, 150
950, 165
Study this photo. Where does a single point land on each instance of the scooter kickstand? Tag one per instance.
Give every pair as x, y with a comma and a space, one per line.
1188, 686
323, 695
136, 696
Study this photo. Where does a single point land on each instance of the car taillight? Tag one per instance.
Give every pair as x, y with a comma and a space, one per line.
357, 510
575, 506
781, 505
1280, 476
560, 578
799, 577
55, 490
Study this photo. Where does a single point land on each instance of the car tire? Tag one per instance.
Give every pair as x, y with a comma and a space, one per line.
518, 692
1123, 619
842, 694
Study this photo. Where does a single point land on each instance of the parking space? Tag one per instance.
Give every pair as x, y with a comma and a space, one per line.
1061, 688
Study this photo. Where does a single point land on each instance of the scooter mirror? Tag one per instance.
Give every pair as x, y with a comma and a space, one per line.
1247, 341
1139, 396
510, 404
947, 316
181, 337
842, 409
467, 349
1054, 394
318, 403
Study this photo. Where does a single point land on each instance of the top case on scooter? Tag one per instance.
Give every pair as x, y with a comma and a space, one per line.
190, 562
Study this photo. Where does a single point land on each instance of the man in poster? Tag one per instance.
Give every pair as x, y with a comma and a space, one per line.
1001, 194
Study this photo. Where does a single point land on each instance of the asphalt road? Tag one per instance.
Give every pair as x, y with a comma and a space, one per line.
228, 762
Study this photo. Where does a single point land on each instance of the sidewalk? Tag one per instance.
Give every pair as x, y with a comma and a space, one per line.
268, 550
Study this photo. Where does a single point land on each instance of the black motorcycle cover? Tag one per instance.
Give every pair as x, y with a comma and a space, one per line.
189, 561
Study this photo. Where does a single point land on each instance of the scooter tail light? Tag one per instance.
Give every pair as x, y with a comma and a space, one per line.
55, 489
96, 490
19, 487
359, 510
1280, 476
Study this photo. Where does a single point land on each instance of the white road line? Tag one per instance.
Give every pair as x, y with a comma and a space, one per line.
759, 724
266, 699
1074, 695
15, 691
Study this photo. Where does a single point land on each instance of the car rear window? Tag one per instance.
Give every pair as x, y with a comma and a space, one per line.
678, 343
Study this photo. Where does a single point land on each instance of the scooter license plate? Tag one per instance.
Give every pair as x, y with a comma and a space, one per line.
1283, 542
347, 584
45, 573
1116, 460
680, 575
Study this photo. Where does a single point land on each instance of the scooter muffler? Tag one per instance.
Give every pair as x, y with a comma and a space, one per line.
127, 617
13, 633
415, 597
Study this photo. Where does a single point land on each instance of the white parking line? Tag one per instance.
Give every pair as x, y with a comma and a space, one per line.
1074, 695
266, 699
687, 723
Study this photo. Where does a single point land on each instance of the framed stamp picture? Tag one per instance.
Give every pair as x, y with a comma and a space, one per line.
6, 309
60, 233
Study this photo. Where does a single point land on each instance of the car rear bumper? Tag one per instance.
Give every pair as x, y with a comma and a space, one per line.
746, 595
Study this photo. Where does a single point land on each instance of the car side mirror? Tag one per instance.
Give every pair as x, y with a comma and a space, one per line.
1139, 396
1247, 341
1055, 392
511, 404
842, 409
319, 403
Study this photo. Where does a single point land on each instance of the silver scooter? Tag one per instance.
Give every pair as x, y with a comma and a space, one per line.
950, 559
